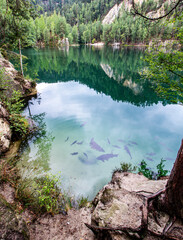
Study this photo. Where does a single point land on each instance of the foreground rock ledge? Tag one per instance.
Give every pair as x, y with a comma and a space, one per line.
119, 204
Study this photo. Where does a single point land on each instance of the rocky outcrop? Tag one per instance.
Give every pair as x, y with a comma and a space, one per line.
10, 81
5, 131
119, 205
12, 226
112, 14
15, 81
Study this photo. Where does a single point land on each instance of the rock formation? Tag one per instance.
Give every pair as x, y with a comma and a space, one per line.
13, 81
118, 210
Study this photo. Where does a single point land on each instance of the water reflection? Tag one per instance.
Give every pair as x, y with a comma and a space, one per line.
113, 73
36, 149
95, 116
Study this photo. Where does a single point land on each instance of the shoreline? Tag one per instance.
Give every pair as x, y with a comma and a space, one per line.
118, 203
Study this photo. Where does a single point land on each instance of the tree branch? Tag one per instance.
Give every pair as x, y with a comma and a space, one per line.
158, 18
179, 75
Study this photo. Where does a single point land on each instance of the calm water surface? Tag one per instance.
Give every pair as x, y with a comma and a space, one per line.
96, 112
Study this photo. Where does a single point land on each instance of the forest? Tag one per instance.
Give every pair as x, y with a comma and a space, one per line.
94, 112
48, 22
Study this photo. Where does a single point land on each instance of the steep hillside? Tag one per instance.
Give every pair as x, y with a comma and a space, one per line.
86, 21
112, 14
146, 6
82, 11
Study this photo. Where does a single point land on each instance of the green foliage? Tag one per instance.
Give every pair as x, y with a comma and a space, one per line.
48, 193
79, 21
14, 105
39, 194
93, 41
44, 195
147, 172
127, 167
160, 168
16, 23
165, 64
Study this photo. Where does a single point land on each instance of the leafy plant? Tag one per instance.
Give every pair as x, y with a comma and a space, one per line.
44, 195
151, 174
14, 105
145, 171
48, 193
160, 168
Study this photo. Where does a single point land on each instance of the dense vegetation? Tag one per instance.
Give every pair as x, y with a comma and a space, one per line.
80, 22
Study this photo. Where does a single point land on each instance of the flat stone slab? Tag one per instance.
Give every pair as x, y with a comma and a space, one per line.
119, 204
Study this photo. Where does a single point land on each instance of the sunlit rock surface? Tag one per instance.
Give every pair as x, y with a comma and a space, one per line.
112, 14
5, 131
119, 203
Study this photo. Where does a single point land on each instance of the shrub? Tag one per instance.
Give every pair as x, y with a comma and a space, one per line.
44, 195
93, 41
145, 171
125, 167
151, 174
14, 105
160, 168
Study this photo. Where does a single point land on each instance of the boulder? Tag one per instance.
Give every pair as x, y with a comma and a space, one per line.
119, 205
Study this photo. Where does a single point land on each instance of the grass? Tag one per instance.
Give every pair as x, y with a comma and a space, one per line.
125, 167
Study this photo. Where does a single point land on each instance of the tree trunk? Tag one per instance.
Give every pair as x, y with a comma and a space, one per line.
173, 198
20, 52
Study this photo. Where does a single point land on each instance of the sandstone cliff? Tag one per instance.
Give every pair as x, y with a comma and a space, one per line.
126, 5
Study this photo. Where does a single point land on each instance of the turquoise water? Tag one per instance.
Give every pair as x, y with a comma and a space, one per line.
96, 112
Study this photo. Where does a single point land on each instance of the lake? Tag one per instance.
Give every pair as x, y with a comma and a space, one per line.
95, 112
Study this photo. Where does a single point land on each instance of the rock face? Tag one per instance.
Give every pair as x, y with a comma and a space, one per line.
15, 81
12, 80
119, 204
5, 131
112, 14
12, 226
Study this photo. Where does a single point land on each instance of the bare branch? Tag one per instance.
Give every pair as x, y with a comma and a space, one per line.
136, 12
179, 75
